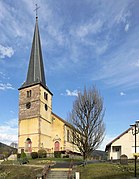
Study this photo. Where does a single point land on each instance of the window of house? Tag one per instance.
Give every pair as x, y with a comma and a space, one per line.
116, 149
45, 95
67, 135
29, 94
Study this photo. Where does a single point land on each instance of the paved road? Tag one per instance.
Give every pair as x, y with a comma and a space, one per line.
69, 165
61, 165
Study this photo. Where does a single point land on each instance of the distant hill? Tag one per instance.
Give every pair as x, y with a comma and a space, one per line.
99, 155
7, 149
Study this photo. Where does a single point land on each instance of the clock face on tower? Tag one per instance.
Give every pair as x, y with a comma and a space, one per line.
28, 105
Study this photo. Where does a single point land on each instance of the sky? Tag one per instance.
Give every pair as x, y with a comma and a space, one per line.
84, 43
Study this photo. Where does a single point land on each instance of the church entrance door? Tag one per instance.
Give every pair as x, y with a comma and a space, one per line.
57, 146
28, 145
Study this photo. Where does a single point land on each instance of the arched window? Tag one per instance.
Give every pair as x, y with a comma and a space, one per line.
67, 135
28, 145
46, 107
56, 146
45, 96
29, 94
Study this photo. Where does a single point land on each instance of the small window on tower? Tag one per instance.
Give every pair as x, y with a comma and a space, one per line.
46, 107
29, 94
45, 95
67, 135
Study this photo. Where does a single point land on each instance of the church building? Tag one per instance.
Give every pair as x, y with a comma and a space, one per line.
38, 126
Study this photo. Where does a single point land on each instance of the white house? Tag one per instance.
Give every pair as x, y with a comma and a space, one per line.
123, 144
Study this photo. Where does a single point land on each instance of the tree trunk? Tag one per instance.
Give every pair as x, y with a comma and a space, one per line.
84, 156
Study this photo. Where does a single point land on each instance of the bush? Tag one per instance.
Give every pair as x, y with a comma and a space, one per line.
34, 155
57, 154
6, 154
23, 155
24, 161
23, 158
1, 156
18, 155
66, 156
42, 153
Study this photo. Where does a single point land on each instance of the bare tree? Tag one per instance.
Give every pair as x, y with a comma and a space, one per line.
87, 119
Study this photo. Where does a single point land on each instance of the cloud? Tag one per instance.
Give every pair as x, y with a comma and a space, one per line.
9, 132
4, 76
101, 49
127, 27
12, 123
6, 86
6, 51
70, 93
119, 67
89, 28
136, 63
8, 138
122, 94
122, 16
12, 112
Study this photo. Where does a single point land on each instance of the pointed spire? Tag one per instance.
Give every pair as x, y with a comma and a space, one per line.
36, 69
35, 73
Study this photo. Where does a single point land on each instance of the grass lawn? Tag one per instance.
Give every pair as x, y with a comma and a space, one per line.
12, 169
43, 161
90, 171
22, 172
107, 171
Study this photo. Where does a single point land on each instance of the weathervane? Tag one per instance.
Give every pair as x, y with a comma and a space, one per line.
36, 9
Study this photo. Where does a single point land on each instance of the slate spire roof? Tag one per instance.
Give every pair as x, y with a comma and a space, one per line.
35, 73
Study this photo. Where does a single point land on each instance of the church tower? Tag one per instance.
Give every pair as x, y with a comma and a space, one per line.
35, 103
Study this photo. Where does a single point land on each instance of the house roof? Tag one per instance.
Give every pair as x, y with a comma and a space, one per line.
109, 144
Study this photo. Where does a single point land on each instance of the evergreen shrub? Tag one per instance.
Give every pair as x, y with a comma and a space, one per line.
42, 153
57, 154
18, 155
23, 155
34, 155
66, 156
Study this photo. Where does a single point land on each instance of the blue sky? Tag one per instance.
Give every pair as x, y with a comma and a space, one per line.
84, 42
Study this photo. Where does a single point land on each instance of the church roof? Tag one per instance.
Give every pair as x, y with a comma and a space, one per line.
35, 73
65, 122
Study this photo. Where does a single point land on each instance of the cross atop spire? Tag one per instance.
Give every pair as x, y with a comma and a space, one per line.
36, 9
